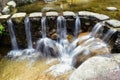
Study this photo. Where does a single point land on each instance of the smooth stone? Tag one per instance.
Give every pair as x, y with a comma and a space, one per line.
18, 15
4, 16
51, 13
114, 23
11, 3
6, 10
104, 67
68, 13
111, 8
35, 14
92, 14
59, 69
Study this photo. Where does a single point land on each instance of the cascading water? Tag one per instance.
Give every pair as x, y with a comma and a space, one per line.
77, 27
65, 51
61, 28
45, 45
43, 23
96, 29
15, 52
108, 35
12, 34
28, 33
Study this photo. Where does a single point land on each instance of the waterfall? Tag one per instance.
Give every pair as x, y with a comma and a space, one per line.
28, 32
96, 29
12, 34
77, 27
61, 27
43, 23
108, 35
65, 51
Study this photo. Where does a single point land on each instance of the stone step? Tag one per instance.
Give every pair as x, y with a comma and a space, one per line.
68, 13
35, 14
98, 16
19, 15
51, 14
4, 17
113, 23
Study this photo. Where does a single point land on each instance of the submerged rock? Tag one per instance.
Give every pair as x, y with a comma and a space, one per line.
105, 67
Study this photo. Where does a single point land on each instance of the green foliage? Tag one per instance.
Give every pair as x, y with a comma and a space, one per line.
2, 29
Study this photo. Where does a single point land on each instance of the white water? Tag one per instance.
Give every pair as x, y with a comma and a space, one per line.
28, 33
43, 24
61, 28
108, 35
65, 51
12, 35
96, 29
77, 29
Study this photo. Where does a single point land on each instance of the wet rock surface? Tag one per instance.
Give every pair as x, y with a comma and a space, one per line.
104, 67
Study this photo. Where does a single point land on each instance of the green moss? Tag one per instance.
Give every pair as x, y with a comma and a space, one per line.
2, 29
98, 6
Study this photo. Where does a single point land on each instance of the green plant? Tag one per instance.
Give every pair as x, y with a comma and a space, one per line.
2, 29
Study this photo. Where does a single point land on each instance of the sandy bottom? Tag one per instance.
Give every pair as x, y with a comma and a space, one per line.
28, 70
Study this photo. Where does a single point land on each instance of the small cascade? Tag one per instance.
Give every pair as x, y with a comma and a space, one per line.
43, 23
77, 27
47, 47
12, 34
108, 35
62, 33
61, 28
96, 29
28, 33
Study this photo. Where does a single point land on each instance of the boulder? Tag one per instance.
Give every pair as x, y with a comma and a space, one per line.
11, 3
6, 10
104, 67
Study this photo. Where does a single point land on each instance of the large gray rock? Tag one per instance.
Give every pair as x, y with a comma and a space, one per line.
99, 68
